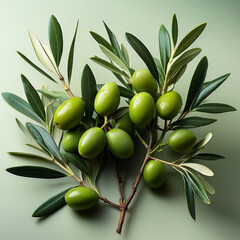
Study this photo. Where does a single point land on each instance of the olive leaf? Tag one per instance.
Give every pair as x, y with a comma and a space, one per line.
209, 156
120, 112
55, 39
125, 55
35, 172
61, 96
174, 29
29, 155
199, 168
70, 55
89, 91
51, 205
208, 187
177, 75
160, 72
214, 108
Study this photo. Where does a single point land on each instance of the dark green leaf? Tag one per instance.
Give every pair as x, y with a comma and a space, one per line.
35, 172
196, 84
144, 53
113, 41
184, 59
120, 112
160, 71
208, 156
164, 46
192, 122
174, 29
33, 98
89, 91
209, 87
48, 140
28, 155
55, 39
189, 196
70, 55
36, 67
125, 55
102, 41
197, 187
21, 105
177, 75
109, 66
51, 205
61, 96
189, 39
120, 78
77, 161
214, 108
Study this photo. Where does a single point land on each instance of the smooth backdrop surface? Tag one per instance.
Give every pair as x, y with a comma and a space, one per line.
152, 215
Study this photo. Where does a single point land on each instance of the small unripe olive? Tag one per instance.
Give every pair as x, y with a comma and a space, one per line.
92, 142
69, 113
143, 81
154, 173
81, 198
120, 143
107, 99
181, 140
169, 105
71, 138
142, 109
125, 124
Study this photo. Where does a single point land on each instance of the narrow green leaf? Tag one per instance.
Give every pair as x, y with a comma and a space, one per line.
174, 29
208, 187
192, 122
33, 98
102, 41
184, 59
109, 66
28, 155
209, 156
55, 38
114, 58
21, 105
77, 161
196, 84
35, 172
35, 66
125, 55
214, 108
120, 112
144, 53
113, 41
44, 55
51, 205
177, 75
189, 39
89, 91
189, 196
61, 96
24, 130
120, 78
160, 72
209, 87
199, 168
197, 187
164, 46
70, 56
203, 142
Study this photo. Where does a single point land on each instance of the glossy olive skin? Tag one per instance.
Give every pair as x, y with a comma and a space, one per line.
169, 105
143, 81
69, 113
120, 143
125, 124
71, 138
81, 198
142, 109
181, 140
92, 143
154, 173
107, 99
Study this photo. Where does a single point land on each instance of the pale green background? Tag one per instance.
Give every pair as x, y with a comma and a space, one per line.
152, 215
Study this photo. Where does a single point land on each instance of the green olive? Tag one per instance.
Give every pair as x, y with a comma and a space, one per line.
169, 105
142, 109
181, 140
154, 173
125, 124
92, 142
81, 198
107, 99
71, 138
69, 113
120, 143
143, 81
